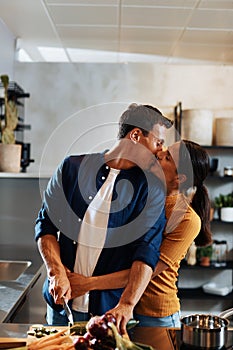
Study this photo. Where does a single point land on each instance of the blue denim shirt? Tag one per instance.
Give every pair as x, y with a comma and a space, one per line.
135, 226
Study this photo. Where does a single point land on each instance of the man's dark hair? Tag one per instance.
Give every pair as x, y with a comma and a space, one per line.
143, 117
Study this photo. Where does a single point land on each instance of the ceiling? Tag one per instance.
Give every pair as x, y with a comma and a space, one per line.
166, 31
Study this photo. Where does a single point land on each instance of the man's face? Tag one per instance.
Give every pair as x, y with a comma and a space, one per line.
150, 145
155, 138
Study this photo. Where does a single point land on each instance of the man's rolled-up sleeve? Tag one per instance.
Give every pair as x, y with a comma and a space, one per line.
48, 216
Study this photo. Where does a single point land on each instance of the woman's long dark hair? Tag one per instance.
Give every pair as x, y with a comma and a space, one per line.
194, 163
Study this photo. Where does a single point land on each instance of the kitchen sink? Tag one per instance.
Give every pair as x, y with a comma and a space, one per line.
10, 270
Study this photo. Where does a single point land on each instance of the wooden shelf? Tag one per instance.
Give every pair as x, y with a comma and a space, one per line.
185, 266
197, 293
218, 178
217, 147
218, 221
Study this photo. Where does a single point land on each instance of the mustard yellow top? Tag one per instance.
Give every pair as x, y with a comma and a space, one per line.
160, 297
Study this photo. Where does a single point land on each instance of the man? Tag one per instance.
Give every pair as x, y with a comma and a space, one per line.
79, 230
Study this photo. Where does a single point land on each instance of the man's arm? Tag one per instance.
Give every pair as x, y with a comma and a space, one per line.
59, 284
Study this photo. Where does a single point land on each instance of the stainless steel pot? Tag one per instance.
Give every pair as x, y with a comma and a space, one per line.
207, 331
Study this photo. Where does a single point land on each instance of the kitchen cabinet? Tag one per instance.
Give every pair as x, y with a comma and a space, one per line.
191, 278
20, 201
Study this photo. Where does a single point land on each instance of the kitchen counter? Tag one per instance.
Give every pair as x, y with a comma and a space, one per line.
158, 338
12, 293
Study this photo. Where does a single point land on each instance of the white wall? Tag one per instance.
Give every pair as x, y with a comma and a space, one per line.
7, 55
61, 91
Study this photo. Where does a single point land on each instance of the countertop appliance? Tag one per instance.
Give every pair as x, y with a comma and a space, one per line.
175, 336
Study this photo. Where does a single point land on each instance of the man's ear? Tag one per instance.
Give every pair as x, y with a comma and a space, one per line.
182, 178
135, 135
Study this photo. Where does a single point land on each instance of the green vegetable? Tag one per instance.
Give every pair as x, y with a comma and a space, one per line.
41, 331
123, 343
79, 328
131, 323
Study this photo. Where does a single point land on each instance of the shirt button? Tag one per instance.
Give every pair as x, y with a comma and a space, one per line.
107, 167
103, 177
74, 242
90, 197
79, 219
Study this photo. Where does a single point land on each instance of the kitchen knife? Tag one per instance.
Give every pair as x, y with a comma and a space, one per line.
68, 312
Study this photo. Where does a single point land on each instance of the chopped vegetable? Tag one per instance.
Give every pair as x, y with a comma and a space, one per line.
41, 331
99, 333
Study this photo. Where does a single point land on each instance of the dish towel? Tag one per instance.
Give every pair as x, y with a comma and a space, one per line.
92, 235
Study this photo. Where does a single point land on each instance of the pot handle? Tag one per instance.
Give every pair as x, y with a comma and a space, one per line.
226, 313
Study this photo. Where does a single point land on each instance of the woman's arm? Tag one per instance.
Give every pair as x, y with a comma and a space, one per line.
81, 284
160, 267
139, 277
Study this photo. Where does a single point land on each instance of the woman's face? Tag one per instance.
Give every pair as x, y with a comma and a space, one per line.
168, 160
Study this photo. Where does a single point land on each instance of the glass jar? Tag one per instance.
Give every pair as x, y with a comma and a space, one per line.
223, 253
228, 171
219, 256
216, 253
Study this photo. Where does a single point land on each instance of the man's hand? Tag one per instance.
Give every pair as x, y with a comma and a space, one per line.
59, 287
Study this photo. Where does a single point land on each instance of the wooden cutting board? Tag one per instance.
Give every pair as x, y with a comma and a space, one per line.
11, 343
15, 343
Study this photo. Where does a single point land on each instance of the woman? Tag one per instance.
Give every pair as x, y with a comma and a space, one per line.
185, 166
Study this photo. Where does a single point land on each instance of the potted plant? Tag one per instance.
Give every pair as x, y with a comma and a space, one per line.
224, 204
204, 255
10, 152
